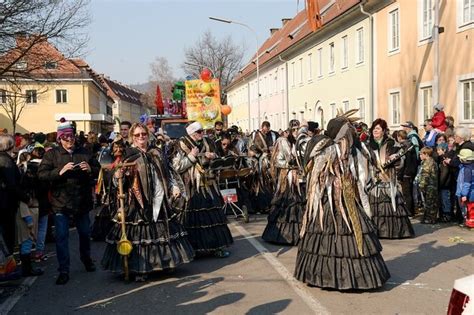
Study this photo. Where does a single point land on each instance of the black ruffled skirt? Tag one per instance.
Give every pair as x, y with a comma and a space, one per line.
102, 224
284, 220
156, 245
390, 224
329, 258
206, 223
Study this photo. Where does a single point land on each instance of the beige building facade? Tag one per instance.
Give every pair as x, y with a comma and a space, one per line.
417, 68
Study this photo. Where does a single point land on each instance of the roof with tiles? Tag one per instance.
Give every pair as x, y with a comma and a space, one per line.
117, 90
293, 32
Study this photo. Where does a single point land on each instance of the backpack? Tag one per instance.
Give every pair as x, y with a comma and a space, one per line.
420, 142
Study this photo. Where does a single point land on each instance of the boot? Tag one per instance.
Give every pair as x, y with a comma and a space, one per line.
27, 269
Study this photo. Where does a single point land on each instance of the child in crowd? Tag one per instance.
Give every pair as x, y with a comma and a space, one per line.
446, 181
465, 183
428, 185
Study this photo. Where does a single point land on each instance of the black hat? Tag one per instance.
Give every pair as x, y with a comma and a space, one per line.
39, 137
312, 126
409, 124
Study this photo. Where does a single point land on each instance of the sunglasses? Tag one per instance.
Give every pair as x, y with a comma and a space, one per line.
199, 131
143, 134
67, 137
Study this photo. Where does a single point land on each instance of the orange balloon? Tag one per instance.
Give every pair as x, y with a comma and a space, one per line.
226, 109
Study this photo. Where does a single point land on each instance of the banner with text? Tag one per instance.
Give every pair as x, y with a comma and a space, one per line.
203, 102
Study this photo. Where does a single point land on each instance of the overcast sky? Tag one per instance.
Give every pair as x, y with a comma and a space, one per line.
126, 35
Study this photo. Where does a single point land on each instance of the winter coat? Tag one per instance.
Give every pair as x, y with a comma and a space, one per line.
71, 193
438, 121
410, 165
455, 162
428, 180
38, 190
10, 191
465, 184
447, 178
429, 140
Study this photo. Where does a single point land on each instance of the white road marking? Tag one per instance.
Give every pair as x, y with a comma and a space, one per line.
298, 287
10, 302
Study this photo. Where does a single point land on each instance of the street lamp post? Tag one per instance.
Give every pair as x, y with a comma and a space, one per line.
257, 62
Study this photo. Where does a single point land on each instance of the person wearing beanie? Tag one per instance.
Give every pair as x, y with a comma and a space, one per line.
202, 215
70, 170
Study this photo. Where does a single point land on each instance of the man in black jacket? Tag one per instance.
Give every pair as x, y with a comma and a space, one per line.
70, 171
408, 172
10, 191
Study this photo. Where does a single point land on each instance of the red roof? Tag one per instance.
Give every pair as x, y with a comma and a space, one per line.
293, 32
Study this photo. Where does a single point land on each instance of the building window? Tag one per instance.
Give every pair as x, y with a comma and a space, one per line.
468, 99
61, 96
394, 31
345, 105
395, 108
467, 11
3, 96
283, 79
331, 57
31, 97
292, 74
300, 81
320, 62
427, 101
333, 110
361, 106
360, 45
427, 18
345, 61
310, 67
50, 65
21, 65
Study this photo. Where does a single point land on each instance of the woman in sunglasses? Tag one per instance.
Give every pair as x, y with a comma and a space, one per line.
203, 217
159, 241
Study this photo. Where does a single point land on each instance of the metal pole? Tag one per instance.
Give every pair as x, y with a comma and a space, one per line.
436, 54
257, 59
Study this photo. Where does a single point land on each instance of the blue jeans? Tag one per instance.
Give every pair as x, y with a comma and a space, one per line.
42, 229
61, 222
25, 247
446, 201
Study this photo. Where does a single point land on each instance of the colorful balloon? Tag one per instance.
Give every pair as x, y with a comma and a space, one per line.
206, 75
226, 109
206, 87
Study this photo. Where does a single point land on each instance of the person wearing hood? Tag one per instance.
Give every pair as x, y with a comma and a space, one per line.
338, 247
438, 121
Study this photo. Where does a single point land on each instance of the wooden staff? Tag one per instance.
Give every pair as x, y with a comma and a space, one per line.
123, 239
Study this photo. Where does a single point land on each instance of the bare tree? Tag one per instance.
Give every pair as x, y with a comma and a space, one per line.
60, 22
222, 57
18, 96
162, 75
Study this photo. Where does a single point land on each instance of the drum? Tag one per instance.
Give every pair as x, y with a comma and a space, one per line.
228, 173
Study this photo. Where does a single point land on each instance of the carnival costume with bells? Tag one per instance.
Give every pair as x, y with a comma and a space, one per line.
389, 212
203, 216
339, 247
287, 207
159, 241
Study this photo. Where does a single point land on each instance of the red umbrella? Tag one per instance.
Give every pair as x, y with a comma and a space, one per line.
160, 108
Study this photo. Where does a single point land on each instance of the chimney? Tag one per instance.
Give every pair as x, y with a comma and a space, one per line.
274, 30
284, 21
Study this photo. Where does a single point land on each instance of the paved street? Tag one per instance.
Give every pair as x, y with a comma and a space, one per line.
253, 281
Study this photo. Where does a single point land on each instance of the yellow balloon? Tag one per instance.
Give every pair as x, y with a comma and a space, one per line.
206, 87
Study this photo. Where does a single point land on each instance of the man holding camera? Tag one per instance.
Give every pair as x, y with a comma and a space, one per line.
70, 170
